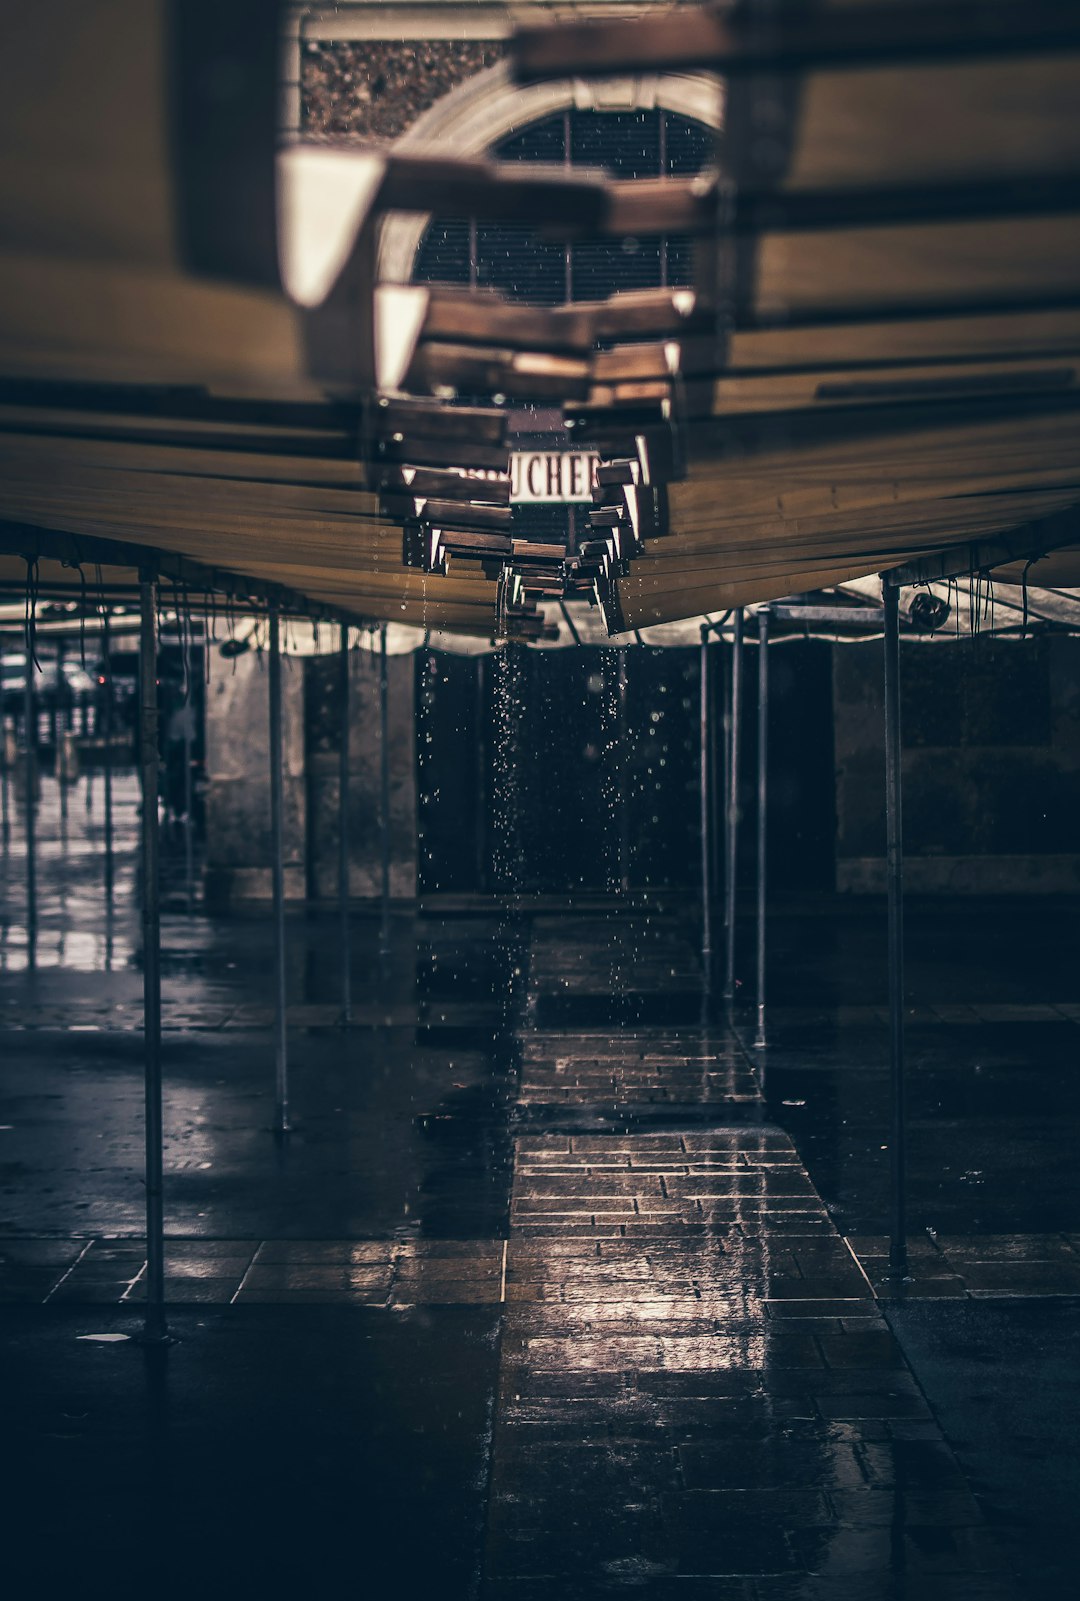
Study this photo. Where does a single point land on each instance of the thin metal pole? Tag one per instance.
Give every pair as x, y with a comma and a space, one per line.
30, 780
480, 746
343, 834
762, 812
704, 787
83, 708
107, 730
732, 841
384, 791
5, 780
58, 727
895, 886
717, 767
155, 1329
277, 873
624, 793
84, 713
189, 799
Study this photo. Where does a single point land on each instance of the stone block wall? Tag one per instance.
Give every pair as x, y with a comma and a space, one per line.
374, 89
238, 785
991, 767
238, 778
323, 711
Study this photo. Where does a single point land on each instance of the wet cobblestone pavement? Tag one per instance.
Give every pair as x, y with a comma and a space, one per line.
545, 1296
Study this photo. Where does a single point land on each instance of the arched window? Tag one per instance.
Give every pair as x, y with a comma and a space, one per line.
647, 143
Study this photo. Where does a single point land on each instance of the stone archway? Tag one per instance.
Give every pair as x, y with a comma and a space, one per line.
474, 117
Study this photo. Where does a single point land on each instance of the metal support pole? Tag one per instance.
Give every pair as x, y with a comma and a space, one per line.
717, 768
56, 728
895, 885
5, 776
624, 793
84, 731
732, 836
189, 799
480, 746
277, 873
704, 788
89, 769
107, 730
343, 834
762, 812
384, 791
155, 1329
30, 792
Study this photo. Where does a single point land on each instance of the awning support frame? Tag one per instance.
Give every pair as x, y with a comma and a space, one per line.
707, 841
384, 792
894, 872
155, 1330
732, 832
345, 926
30, 799
282, 1124
762, 814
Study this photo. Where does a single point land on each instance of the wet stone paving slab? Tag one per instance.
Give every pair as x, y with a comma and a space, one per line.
976, 1267
710, 1395
371, 1273
699, 1396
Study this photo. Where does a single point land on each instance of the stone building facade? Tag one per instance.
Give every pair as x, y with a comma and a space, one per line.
992, 729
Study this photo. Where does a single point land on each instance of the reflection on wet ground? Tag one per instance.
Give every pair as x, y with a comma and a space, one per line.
544, 1297
696, 1382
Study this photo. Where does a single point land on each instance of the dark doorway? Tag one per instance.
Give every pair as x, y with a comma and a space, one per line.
564, 771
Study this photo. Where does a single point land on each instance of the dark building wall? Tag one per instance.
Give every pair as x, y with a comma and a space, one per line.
991, 732
523, 782
532, 778
802, 793
552, 799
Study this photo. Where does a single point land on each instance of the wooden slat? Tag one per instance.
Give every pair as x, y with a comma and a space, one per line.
794, 37
898, 270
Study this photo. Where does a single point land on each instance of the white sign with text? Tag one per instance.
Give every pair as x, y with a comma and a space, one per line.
541, 477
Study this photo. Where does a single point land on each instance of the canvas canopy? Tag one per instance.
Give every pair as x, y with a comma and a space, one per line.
876, 365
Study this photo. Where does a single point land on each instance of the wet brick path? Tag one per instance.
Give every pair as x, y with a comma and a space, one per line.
630, 1070
698, 1393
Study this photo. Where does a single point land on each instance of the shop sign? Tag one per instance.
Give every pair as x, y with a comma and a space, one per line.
539, 477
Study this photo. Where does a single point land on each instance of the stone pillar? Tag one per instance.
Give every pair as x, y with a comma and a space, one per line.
238, 779
322, 717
